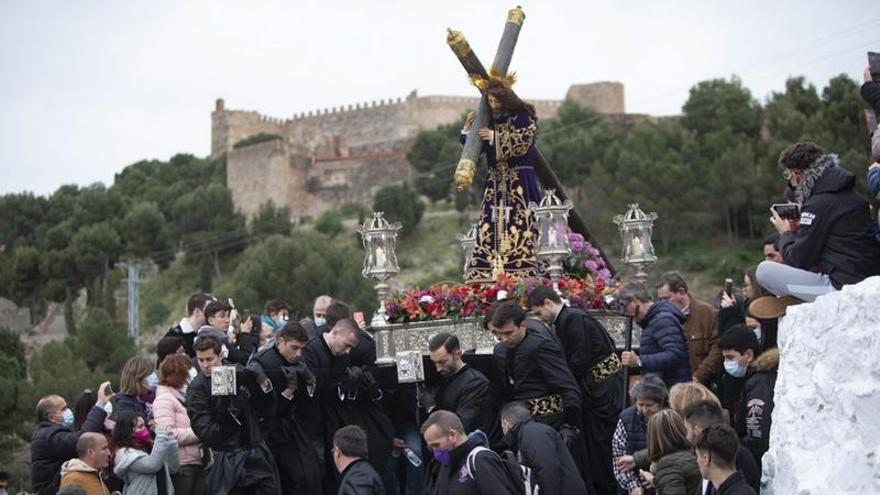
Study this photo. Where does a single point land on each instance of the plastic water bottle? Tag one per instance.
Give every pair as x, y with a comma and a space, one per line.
412, 457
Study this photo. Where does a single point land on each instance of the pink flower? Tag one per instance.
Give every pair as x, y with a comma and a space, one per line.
591, 266
577, 246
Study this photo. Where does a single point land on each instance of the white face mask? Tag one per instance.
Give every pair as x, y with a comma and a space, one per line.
193, 373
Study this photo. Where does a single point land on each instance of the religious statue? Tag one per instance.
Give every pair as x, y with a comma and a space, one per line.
506, 235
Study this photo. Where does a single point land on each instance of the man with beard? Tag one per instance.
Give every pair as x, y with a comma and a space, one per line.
590, 353
230, 426
299, 460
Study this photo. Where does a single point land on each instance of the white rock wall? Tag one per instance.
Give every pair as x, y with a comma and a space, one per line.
825, 436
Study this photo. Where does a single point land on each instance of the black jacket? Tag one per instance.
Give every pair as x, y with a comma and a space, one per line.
756, 405
836, 232
188, 338
663, 346
280, 427
537, 368
359, 478
466, 393
54, 444
489, 476
542, 448
228, 423
584, 340
735, 485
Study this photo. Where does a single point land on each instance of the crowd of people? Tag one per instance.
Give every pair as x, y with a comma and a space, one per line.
240, 403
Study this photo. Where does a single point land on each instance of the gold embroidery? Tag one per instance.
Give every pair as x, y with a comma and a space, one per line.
606, 367
545, 406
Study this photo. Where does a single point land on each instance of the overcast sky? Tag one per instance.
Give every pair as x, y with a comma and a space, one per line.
88, 87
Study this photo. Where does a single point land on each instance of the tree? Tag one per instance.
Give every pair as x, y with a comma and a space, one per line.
298, 269
400, 204
102, 342
575, 142
329, 223
144, 231
271, 219
434, 155
55, 368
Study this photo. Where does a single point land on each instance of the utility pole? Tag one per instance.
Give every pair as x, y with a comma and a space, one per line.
133, 282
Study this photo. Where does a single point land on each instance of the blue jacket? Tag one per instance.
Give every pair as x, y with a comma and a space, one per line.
663, 347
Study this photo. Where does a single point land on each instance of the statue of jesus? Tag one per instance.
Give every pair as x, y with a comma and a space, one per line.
506, 236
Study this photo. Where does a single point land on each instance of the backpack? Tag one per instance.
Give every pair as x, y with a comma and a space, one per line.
519, 474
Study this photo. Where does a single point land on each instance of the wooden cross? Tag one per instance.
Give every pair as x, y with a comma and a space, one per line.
473, 147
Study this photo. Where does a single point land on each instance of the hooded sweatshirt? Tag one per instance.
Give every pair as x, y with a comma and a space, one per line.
138, 469
77, 472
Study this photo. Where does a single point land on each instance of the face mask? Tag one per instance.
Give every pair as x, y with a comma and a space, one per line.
193, 373
152, 381
320, 322
734, 369
67, 417
142, 436
282, 320
443, 456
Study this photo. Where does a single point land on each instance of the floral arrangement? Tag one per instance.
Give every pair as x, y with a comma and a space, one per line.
585, 259
462, 301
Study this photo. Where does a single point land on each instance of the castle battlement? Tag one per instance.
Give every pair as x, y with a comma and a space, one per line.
332, 156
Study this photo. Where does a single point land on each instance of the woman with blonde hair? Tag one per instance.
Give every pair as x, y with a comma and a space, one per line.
674, 469
684, 394
137, 388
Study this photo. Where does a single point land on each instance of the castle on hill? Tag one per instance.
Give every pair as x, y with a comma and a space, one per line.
332, 157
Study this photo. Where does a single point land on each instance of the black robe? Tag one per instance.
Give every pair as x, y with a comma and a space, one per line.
340, 402
359, 478
536, 368
298, 455
231, 428
586, 343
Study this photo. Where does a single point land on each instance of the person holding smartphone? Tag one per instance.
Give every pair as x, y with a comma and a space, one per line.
835, 234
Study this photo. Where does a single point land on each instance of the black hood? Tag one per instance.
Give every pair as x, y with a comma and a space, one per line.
835, 179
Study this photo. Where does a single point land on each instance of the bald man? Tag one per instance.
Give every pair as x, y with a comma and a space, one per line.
93, 453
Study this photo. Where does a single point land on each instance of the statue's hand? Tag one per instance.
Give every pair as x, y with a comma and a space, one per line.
464, 175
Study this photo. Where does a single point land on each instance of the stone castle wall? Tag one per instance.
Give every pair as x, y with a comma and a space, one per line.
327, 158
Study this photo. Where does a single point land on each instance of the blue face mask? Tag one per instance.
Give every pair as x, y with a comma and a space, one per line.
320, 322
152, 382
734, 369
67, 417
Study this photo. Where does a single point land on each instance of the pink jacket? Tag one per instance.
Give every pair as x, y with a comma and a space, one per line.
169, 412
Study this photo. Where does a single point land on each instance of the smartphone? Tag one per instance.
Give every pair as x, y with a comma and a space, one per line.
728, 287
787, 211
870, 122
874, 65
359, 319
109, 390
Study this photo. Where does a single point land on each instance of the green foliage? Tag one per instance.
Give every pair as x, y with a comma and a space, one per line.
271, 219
102, 342
256, 139
329, 223
298, 269
434, 155
156, 313
400, 204
56, 368
144, 230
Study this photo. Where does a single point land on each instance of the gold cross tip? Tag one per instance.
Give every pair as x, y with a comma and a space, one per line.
516, 16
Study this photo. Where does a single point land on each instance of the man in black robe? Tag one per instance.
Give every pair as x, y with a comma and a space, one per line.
299, 458
534, 370
327, 356
229, 426
591, 357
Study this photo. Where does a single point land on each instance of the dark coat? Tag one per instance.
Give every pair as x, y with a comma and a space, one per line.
678, 474
542, 449
756, 404
188, 338
537, 368
231, 428
663, 348
359, 478
490, 476
125, 402
836, 232
54, 444
466, 393
735, 485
